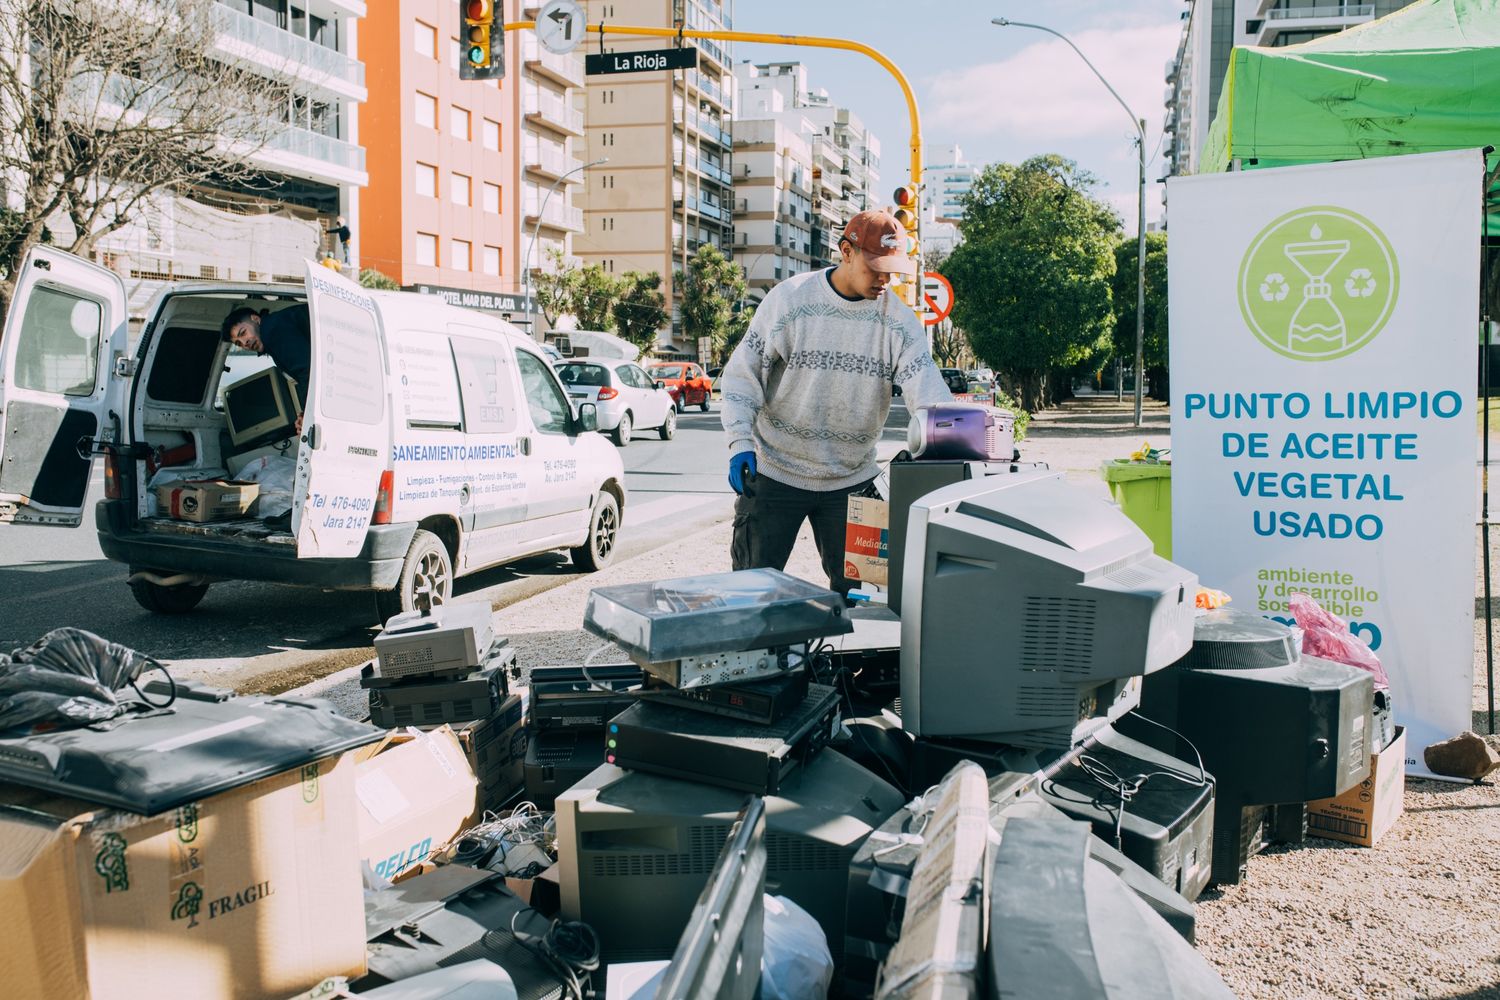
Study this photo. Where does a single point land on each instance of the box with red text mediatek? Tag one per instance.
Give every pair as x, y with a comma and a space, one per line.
866, 542
253, 892
1364, 813
413, 797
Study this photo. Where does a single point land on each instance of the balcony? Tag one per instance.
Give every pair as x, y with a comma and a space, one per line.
539, 104
566, 69
551, 161
305, 153
1333, 17
248, 40
557, 215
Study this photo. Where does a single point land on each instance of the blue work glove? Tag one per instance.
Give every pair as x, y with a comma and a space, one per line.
741, 471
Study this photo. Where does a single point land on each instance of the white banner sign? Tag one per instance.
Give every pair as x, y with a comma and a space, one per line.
1324, 321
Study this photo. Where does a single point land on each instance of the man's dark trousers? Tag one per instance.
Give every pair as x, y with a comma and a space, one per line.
769, 514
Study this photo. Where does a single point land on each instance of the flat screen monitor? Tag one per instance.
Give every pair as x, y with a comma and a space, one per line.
1032, 609
260, 408
718, 956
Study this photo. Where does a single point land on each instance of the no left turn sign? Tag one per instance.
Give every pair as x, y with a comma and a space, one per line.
937, 296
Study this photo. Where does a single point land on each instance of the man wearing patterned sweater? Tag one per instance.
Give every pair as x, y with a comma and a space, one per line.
807, 392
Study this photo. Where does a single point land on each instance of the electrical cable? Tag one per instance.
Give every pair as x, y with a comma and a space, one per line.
1126, 789
838, 677
570, 948
140, 696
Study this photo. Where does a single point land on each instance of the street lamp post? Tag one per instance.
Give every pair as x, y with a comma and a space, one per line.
1140, 249
536, 231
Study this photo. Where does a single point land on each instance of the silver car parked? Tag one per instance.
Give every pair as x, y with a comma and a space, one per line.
626, 397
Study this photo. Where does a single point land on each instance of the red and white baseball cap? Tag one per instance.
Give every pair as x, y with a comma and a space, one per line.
883, 241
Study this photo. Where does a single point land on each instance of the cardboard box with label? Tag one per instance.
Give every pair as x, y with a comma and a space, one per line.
205, 499
1364, 813
254, 892
415, 793
496, 751
867, 541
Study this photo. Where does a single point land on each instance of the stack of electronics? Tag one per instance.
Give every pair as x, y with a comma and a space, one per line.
728, 656
442, 665
1276, 728
567, 711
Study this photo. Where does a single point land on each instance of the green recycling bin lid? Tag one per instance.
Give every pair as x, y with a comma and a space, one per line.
1122, 470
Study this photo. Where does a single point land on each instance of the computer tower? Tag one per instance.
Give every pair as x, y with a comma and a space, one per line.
636, 849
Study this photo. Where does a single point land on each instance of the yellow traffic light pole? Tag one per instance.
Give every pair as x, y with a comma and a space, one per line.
806, 41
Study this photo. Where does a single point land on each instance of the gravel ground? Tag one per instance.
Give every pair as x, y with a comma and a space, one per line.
1412, 917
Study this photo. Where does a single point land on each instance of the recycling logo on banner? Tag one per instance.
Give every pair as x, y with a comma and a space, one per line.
1318, 283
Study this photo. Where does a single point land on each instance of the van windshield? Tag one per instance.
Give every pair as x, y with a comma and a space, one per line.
666, 371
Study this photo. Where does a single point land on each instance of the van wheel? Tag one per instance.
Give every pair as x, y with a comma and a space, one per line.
678, 405
427, 565
168, 600
622, 432
669, 426
604, 530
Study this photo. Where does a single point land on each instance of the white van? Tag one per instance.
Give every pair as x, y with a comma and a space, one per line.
437, 441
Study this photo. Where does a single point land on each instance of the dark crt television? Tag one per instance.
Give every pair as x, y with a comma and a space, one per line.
260, 409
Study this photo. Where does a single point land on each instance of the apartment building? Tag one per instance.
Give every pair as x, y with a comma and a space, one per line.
773, 197
439, 213
946, 178
843, 178
665, 185
310, 171
1210, 31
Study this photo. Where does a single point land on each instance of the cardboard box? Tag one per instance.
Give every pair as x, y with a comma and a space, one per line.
1364, 813
255, 892
496, 751
205, 499
414, 795
867, 540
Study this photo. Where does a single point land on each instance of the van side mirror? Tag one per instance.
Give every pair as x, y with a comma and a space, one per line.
588, 417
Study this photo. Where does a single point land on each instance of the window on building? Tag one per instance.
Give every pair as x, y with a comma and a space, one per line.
426, 40
427, 180
427, 249
492, 135
492, 260
460, 189
426, 110
458, 122
453, 53
461, 255
492, 197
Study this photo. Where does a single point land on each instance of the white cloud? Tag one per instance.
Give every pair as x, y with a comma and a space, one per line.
1045, 94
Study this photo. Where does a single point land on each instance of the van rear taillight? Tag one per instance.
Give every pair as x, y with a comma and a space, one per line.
608, 392
383, 499
113, 488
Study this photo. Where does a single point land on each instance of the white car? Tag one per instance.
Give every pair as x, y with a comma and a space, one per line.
626, 397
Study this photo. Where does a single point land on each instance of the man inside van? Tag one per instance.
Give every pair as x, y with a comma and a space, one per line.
807, 392
286, 335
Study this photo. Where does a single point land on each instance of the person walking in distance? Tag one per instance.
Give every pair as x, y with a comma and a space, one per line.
807, 392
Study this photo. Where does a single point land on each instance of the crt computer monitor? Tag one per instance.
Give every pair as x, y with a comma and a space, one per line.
260, 408
1032, 609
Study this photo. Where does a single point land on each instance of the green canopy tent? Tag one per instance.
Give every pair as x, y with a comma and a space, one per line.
1423, 79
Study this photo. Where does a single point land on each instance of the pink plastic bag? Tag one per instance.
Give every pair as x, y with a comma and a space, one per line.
1327, 635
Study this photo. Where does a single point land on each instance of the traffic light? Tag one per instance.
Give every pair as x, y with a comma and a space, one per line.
906, 214
481, 40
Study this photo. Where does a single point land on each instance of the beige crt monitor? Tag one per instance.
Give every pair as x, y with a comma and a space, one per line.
261, 408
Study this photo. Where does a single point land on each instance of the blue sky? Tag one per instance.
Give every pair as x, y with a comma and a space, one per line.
1002, 94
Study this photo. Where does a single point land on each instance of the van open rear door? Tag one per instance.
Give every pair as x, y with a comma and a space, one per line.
346, 438
63, 375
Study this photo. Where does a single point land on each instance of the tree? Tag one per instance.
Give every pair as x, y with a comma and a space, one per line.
592, 294
371, 278
710, 287
739, 325
587, 293
1154, 343
1031, 280
641, 309
950, 345
103, 109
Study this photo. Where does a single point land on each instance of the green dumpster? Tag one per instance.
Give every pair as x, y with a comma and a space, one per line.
1144, 492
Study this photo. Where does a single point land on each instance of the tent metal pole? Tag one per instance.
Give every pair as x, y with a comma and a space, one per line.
1487, 289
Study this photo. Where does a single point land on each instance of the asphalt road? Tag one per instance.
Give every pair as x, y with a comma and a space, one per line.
262, 637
